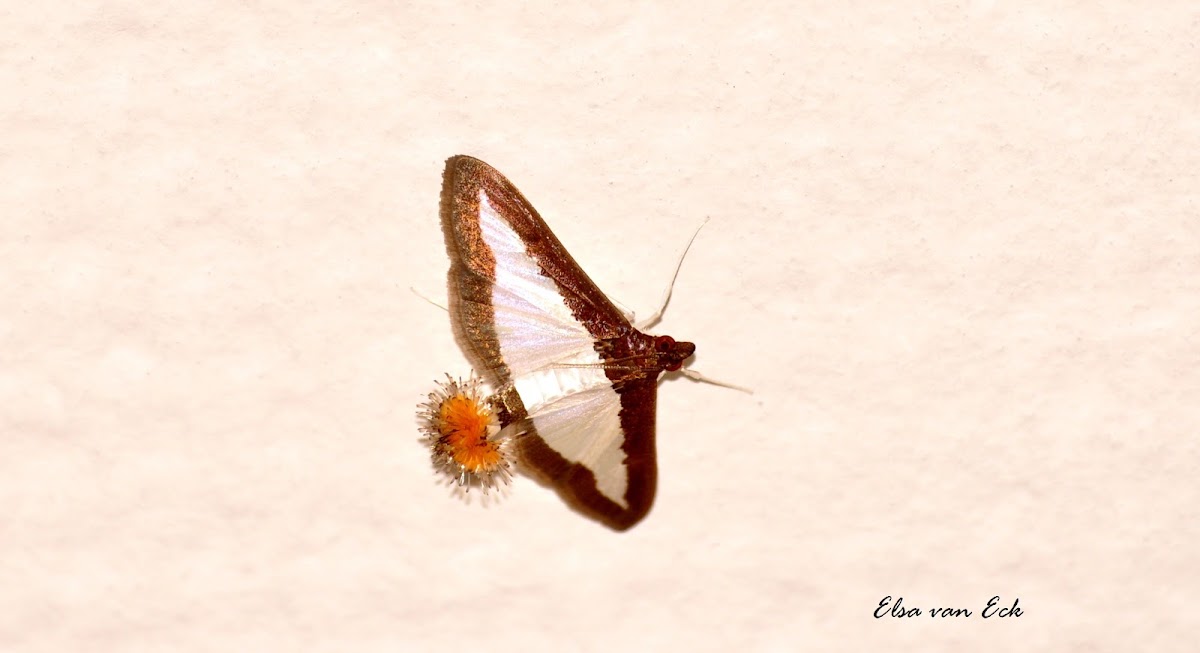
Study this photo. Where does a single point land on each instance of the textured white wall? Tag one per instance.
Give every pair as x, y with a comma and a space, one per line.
954, 248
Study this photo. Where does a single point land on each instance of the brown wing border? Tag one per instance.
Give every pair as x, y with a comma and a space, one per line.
576, 484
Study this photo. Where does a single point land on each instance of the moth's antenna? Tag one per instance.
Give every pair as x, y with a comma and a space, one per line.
414, 291
696, 376
654, 319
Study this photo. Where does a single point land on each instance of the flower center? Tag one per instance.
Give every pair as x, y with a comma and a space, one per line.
463, 424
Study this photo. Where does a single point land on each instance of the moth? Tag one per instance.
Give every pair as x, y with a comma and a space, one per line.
571, 370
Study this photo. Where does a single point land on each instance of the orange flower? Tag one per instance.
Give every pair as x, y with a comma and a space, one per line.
464, 436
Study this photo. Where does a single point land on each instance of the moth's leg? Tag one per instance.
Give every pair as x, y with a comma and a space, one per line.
625, 310
418, 294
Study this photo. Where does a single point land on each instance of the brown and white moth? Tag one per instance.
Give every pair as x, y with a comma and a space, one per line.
574, 376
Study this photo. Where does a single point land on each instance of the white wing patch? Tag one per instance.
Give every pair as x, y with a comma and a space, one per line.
585, 427
533, 324
552, 361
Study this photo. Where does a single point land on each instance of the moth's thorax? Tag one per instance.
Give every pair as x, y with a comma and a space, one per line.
634, 354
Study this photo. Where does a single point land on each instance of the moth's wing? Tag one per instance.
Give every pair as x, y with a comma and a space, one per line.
522, 307
596, 447
519, 301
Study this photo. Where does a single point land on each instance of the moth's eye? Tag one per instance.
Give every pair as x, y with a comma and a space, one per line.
664, 344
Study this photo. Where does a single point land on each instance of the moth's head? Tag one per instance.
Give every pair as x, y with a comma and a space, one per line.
671, 354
